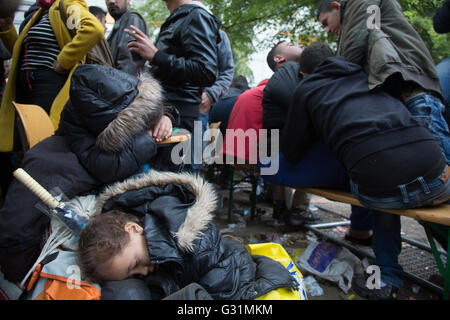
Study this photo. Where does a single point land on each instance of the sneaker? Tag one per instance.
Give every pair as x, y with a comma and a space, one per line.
388, 292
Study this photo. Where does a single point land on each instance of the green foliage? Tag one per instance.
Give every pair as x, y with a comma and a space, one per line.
256, 25
420, 15
155, 13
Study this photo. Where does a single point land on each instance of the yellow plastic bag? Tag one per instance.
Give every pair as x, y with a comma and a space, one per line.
276, 252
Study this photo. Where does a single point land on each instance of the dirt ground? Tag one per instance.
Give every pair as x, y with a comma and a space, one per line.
264, 229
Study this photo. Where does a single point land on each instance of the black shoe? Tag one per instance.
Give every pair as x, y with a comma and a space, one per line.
305, 215
293, 220
363, 242
388, 292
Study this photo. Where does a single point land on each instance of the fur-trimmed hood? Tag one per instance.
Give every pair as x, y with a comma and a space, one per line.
113, 105
177, 213
199, 211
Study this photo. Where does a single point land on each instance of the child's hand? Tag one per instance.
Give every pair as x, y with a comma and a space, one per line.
163, 129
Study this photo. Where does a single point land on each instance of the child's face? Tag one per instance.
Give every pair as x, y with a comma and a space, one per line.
132, 260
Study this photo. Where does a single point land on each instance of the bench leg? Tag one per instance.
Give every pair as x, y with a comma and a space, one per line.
230, 197
443, 270
254, 181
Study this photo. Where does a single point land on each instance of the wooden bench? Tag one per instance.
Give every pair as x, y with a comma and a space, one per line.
439, 214
175, 138
427, 217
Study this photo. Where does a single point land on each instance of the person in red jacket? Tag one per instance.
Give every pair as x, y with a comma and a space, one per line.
243, 136
243, 126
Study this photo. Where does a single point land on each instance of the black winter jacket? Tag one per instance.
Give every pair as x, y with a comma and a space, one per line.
278, 94
176, 211
335, 104
118, 41
186, 60
105, 121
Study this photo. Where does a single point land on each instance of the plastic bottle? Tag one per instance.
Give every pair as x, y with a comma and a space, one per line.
312, 286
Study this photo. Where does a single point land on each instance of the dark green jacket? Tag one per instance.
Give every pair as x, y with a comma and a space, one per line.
393, 47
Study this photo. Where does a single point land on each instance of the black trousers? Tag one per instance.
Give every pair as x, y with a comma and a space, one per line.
39, 86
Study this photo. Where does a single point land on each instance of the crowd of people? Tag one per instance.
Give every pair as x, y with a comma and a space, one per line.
369, 118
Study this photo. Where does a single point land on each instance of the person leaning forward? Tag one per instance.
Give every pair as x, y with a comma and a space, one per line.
376, 35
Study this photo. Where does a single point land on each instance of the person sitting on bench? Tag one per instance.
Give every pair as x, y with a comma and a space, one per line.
284, 60
391, 158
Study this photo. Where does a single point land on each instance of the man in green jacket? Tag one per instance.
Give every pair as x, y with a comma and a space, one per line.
376, 35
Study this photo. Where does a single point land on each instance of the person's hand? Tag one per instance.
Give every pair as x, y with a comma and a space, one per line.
205, 104
163, 129
58, 69
143, 45
6, 23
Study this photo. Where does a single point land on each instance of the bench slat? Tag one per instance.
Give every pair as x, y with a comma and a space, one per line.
438, 214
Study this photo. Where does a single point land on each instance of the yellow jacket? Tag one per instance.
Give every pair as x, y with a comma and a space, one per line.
73, 52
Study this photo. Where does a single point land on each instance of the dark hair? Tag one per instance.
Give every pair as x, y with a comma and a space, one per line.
325, 6
271, 55
313, 56
103, 237
97, 11
240, 82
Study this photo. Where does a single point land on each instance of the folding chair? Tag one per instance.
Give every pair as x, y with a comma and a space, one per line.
33, 124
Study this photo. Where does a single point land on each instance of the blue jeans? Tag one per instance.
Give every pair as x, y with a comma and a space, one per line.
387, 245
386, 241
196, 137
319, 168
428, 107
431, 193
443, 69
